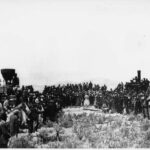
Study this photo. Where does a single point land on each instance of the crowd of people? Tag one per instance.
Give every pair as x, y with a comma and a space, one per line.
25, 108
119, 100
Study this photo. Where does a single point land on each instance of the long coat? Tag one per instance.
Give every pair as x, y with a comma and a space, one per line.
14, 125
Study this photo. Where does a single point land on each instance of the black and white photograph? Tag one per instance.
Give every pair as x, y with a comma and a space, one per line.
74, 74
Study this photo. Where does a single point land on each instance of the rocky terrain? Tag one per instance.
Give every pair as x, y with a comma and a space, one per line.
88, 128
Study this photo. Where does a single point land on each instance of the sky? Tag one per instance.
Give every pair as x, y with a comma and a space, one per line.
57, 41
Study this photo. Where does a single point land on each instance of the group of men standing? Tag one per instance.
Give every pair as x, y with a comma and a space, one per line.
25, 109
118, 100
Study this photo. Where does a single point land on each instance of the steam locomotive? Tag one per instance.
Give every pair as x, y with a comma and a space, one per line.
137, 84
11, 81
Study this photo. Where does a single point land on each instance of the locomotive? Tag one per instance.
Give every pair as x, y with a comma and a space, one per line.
137, 84
11, 81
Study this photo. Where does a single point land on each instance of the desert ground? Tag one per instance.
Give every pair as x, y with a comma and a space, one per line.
81, 127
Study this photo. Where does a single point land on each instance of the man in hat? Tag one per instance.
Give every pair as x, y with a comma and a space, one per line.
33, 118
126, 103
14, 123
99, 100
45, 103
51, 110
35, 110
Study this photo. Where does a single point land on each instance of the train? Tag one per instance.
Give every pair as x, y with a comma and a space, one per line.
137, 84
11, 81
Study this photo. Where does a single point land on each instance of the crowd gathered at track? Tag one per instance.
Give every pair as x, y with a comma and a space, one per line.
30, 106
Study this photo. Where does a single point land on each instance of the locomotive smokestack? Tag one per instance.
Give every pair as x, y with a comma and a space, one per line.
139, 75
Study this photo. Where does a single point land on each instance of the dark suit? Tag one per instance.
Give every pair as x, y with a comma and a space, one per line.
14, 125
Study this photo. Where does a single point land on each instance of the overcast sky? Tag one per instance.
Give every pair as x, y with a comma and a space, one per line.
49, 41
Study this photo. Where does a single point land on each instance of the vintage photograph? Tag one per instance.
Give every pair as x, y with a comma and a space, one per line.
74, 74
